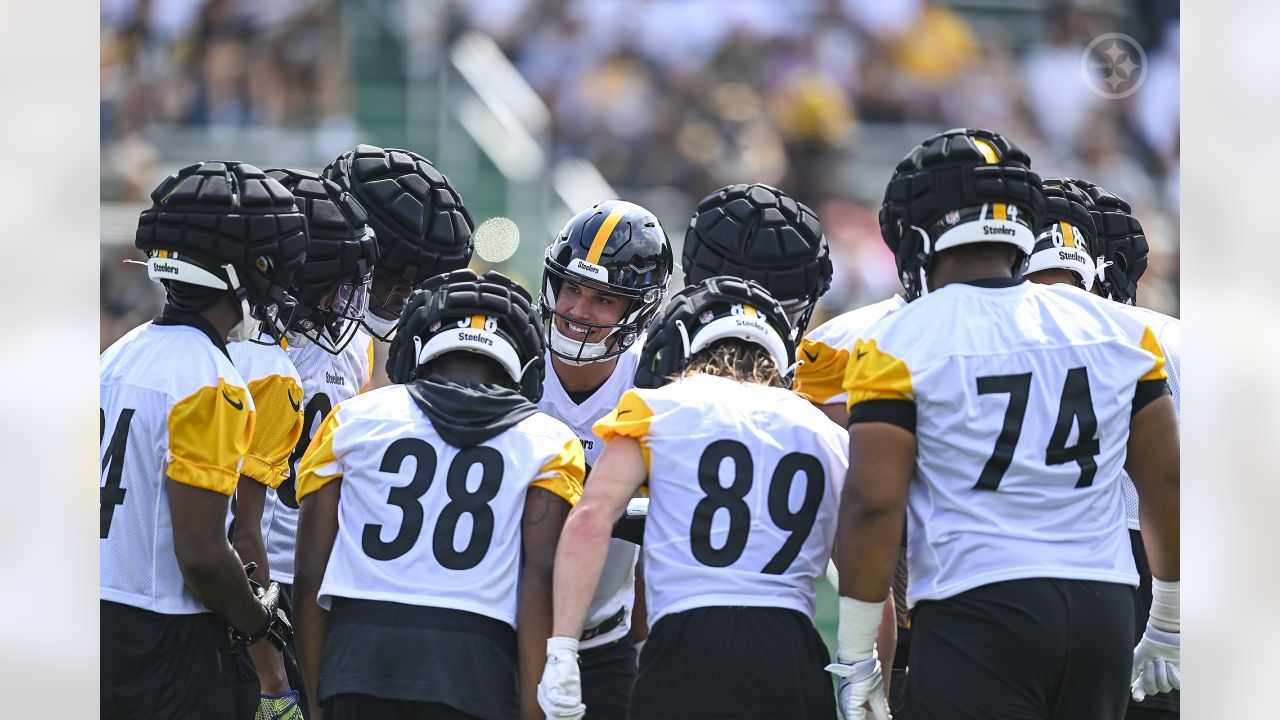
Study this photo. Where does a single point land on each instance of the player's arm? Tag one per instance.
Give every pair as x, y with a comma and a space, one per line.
317, 529
209, 565
544, 516
580, 559
209, 433
584, 543
319, 488
1154, 466
246, 538
835, 412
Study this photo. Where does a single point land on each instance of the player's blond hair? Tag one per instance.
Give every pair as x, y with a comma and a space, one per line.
736, 360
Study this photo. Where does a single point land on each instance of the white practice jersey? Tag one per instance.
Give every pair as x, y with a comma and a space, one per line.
172, 406
823, 354
744, 492
1020, 395
1168, 332
276, 390
421, 522
617, 587
326, 381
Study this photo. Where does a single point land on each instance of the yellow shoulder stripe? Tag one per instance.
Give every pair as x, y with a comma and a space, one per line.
873, 374
563, 474
1151, 345
209, 433
630, 418
319, 466
278, 425
369, 381
820, 374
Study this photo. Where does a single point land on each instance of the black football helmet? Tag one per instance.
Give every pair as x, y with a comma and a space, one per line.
714, 309
218, 227
757, 232
959, 187
617, 248
332, 288
460, 311
1124, 246
421, 224
1067, 238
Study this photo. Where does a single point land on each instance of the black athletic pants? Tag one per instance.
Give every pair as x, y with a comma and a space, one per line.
1037, 649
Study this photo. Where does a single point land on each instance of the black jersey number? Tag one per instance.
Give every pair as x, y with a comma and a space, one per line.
111, 494
462, 501
313, 414
1076, 406
732, 499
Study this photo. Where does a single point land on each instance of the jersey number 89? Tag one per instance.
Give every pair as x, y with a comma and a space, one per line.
733, 499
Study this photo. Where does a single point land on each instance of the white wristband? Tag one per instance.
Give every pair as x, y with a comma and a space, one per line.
1166, 605
560, 644
859, 623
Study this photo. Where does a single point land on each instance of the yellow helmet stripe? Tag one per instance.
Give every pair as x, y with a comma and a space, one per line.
987, 149
749, 311
606, 229
477, 322
1068, 234
1000, 211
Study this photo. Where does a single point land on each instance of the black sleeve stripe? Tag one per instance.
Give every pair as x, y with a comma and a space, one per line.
895, 412
1148, 391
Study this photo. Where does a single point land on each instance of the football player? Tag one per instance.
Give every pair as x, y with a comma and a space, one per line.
1000, 413
177, 422
603, 278
423, 227
425, 505
757, 232
320, 341
731, 560
1121, 255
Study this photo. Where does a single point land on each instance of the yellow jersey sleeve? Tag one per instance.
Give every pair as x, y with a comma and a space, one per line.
277, 400
820, 375
563, 474
631, 418
872, 374
319, 465
1149, 343
369, 380
209, 434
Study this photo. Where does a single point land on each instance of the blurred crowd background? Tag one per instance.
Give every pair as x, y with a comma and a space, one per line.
537, 108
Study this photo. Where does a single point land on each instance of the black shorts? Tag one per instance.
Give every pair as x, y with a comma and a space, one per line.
1036, 649
421, 655
608, 672
368, 707
734, 662
156, 665
1170, 701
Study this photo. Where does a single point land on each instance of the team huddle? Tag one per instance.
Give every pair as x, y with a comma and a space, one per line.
613, 498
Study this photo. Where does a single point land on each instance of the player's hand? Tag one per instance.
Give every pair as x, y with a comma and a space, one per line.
1155, 663
285, 706
276, 627
560, 691
860, 694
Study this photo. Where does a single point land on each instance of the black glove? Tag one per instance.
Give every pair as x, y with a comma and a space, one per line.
277, 628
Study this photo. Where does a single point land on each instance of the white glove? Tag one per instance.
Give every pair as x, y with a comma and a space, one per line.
1155, 663
860, 694
560, 691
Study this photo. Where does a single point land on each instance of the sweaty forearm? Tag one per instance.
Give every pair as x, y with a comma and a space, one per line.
867, 553
247, 535
217, 578
1158, 514
311, 627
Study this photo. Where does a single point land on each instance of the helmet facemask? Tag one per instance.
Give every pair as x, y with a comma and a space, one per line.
641, 304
